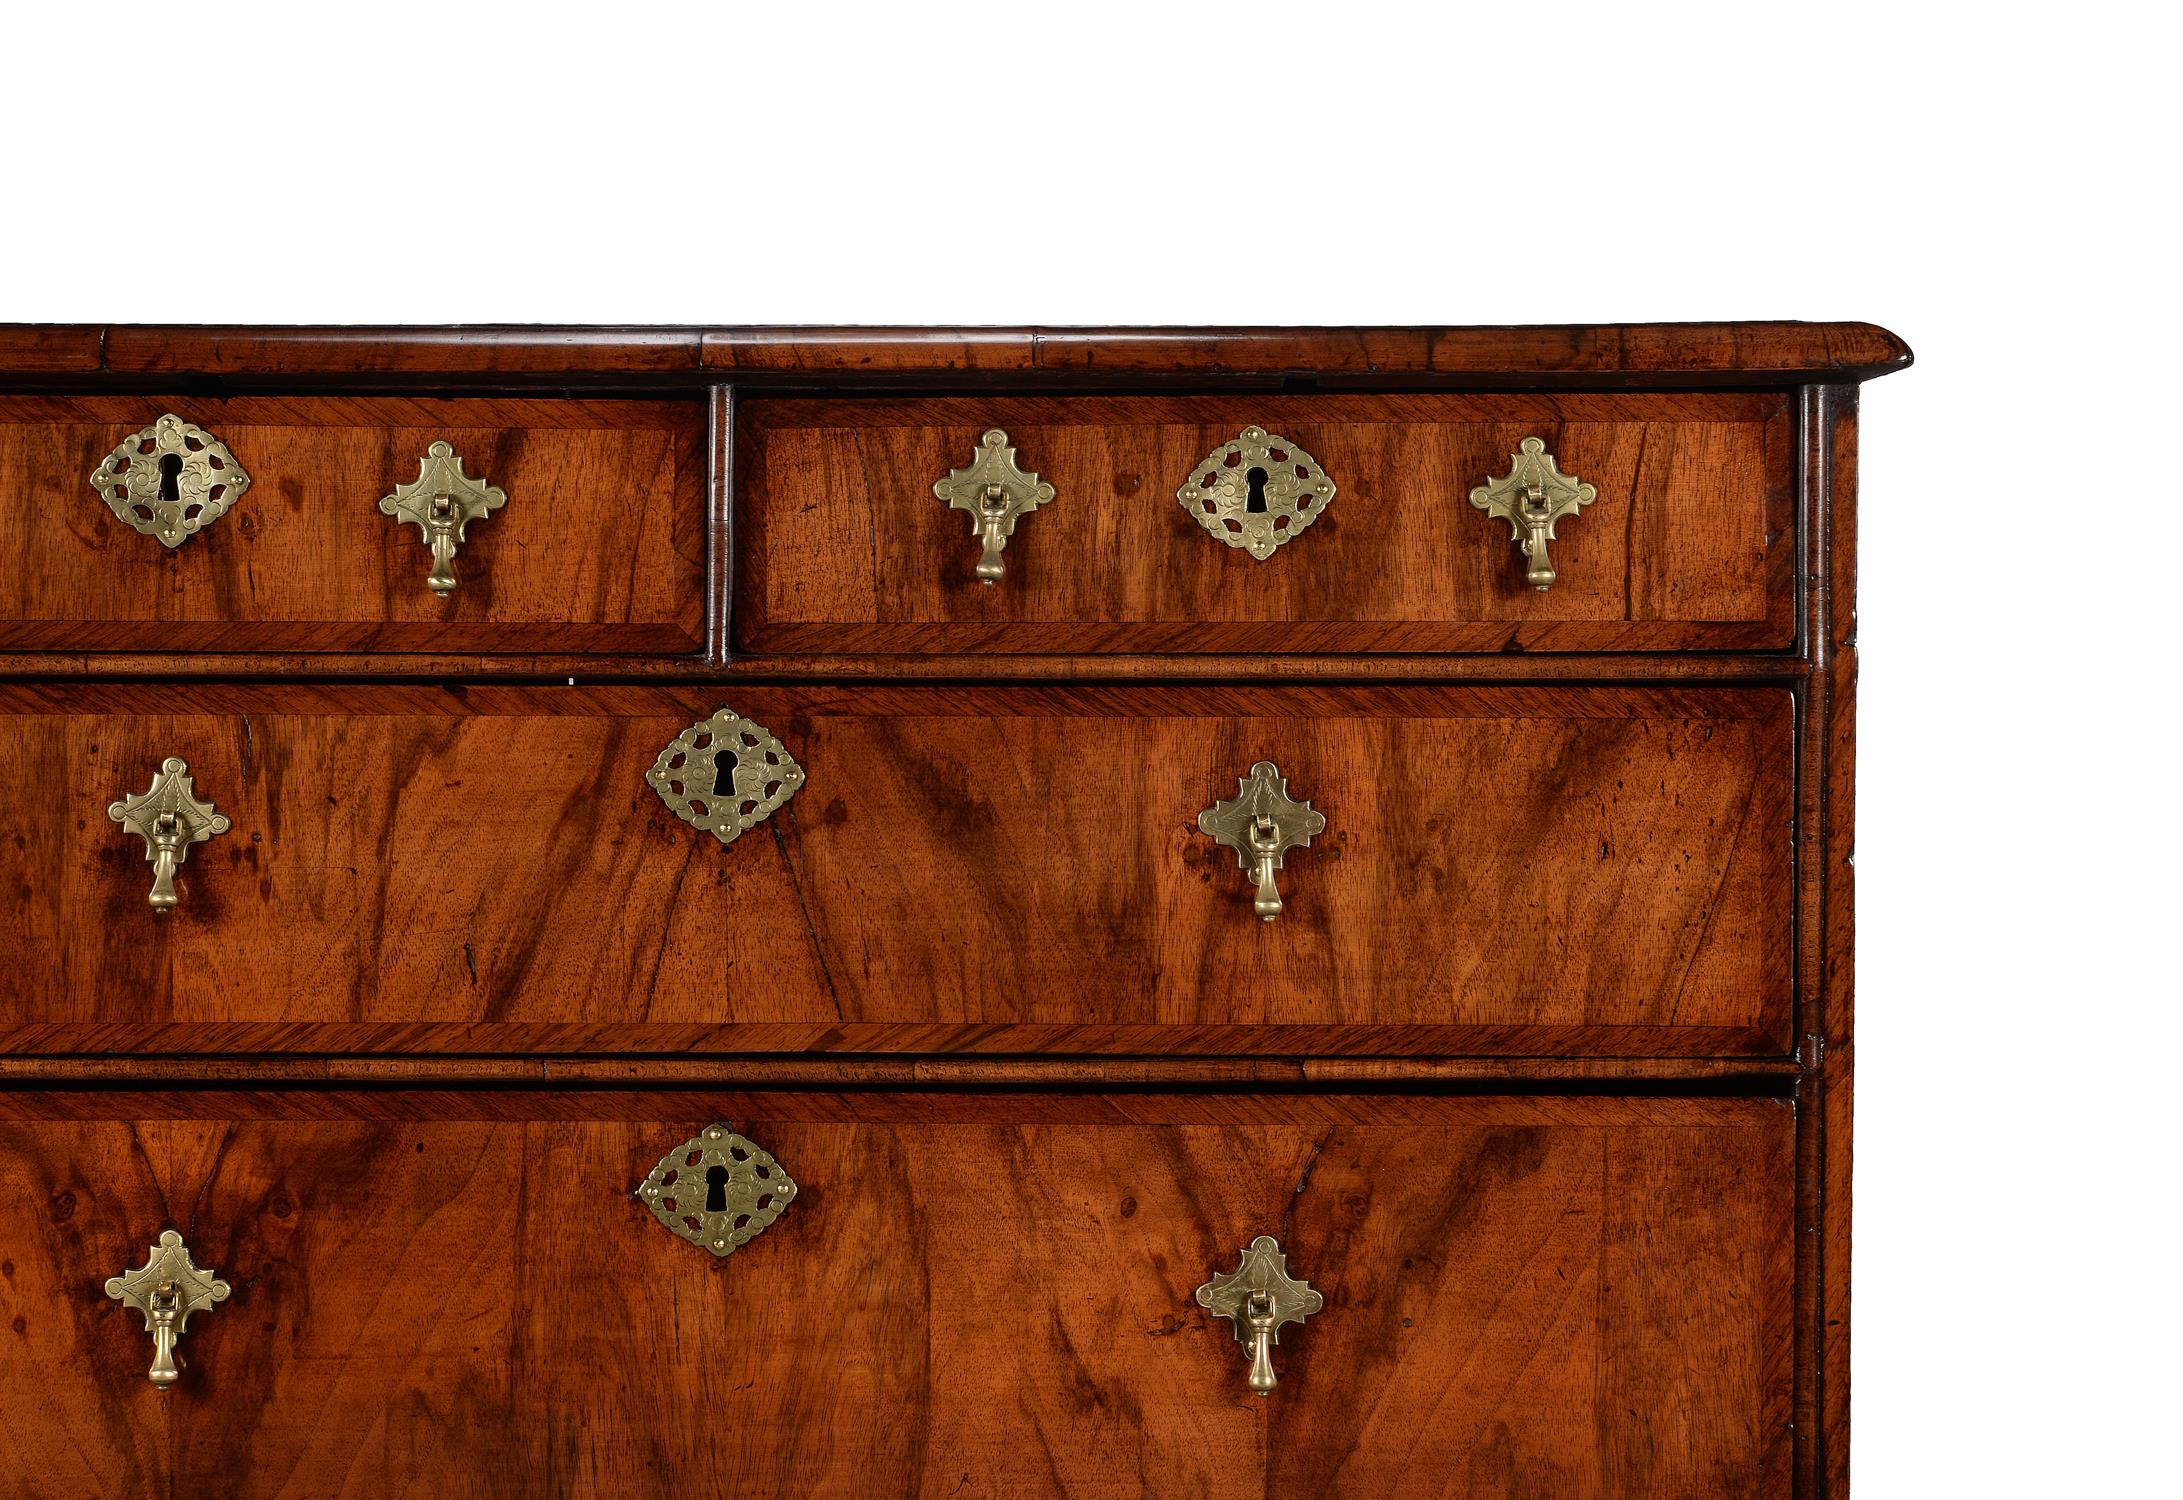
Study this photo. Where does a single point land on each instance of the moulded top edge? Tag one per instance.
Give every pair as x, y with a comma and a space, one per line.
1697, 353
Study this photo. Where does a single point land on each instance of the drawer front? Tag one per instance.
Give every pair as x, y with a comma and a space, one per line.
1690, 543
975, 1296
597, 545
1501, 870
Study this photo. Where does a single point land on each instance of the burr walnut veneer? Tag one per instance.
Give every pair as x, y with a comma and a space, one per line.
680, 911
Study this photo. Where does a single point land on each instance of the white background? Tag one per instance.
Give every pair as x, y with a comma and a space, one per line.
1986, 181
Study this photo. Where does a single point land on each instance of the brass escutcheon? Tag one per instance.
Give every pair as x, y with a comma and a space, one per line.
170, 481
1257, 492
725, 775
717, 1189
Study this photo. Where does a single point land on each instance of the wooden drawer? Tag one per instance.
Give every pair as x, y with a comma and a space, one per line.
1522, 871
986, 1296
842, 545
599, 546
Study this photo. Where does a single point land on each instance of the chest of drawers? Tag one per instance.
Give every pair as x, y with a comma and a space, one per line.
984, 912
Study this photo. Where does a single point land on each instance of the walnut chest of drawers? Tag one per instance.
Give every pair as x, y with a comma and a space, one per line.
978, 912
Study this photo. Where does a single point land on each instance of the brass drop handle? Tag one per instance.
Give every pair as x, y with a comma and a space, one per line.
992, 533
997, 494
1265, 838
1262, 823
160, 1311
166, 1289
441, 503
1260, 1311
169, 818
1257, 1297
1532, 497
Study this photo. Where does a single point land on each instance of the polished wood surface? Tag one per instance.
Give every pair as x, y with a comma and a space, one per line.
1827, 1088
1544, 1077
820, 1070
1605, 355
600, 546
842, 546
1740, 667
1518, 870
971, 1295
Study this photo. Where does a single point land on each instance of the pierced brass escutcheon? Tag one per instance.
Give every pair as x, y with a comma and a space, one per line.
997, 494
725, 775
169, 818
1257, 492
1531, 498
167, 1289
171, 480
717, 1189
1262, 824
441, 503
1258, 1296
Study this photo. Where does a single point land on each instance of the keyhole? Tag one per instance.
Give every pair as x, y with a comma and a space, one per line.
170, 479
1255, 502
723, 774
716, 1190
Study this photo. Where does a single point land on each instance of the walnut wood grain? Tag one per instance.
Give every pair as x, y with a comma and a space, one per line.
51, 348
1526, 869
1513, 666
1604, 1232
1554, 1296
124, 1034
1830, 1006
1605, 355
820, 1071
841, 545
599, 548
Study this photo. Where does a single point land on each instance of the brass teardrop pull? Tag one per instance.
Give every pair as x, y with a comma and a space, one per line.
169, 818
441, 503
1257, 1297
997, 494
1532, 497
166, 1289
1262, 823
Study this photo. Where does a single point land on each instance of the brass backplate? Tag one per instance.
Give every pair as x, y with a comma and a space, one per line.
1257, 1297
441, 503
166, 1289
169, 818
1533, 497
1257, 492
170, 481
1262, 823
725, 775
997, 494
717, 1189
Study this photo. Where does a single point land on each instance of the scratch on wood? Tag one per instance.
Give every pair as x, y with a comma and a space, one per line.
1303, 1180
